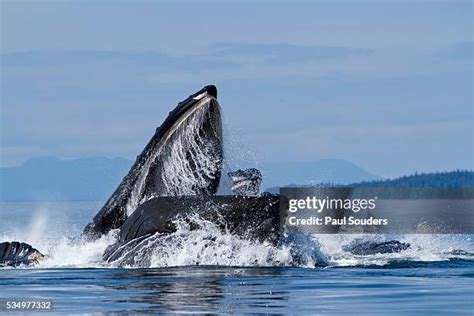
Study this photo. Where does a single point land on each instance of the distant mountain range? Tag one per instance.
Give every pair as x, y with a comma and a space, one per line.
452, 184
457, 179
94, 179
53, 179
314, 172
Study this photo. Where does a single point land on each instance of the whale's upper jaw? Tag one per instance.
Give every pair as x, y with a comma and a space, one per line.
190, 150
184, 156
156, 172
207, 93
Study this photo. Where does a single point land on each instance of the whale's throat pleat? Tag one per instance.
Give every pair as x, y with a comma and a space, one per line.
187, 160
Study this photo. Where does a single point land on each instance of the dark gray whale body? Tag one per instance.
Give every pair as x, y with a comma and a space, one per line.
176, 177
364, 248
255, 217
18, 253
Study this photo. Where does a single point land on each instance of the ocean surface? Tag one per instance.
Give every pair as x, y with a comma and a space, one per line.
210, 271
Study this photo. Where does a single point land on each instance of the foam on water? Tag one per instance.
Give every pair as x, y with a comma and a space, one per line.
75, 253
423, 248
208, 245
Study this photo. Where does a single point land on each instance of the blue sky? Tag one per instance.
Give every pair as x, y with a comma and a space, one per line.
384, 84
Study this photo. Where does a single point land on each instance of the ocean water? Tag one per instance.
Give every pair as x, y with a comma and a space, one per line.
210, 271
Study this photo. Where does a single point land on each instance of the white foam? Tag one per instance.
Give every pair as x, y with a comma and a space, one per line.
423, 248
207, 245
211, 246
77, 253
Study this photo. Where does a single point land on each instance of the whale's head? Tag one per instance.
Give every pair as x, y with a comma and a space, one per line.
184, 157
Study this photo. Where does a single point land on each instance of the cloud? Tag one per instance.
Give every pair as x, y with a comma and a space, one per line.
221, 55
148, 59
81, 103
82, 74
283, 53
459, 51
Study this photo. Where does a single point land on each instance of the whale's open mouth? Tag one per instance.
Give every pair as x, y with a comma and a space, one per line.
184, 157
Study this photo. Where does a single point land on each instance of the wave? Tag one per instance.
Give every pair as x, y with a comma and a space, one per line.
203, 243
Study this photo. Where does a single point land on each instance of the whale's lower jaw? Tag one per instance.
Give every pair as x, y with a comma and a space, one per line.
251, 218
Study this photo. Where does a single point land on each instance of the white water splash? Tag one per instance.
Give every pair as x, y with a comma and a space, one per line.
77, 253
38, 225
207, 245
211, 246
423, 248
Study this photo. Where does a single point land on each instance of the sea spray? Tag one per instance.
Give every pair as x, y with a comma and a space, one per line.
206, 245
423, 248
78, 253
38, 225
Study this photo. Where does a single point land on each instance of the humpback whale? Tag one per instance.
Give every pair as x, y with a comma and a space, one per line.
18, 253
178, 173
176, 176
